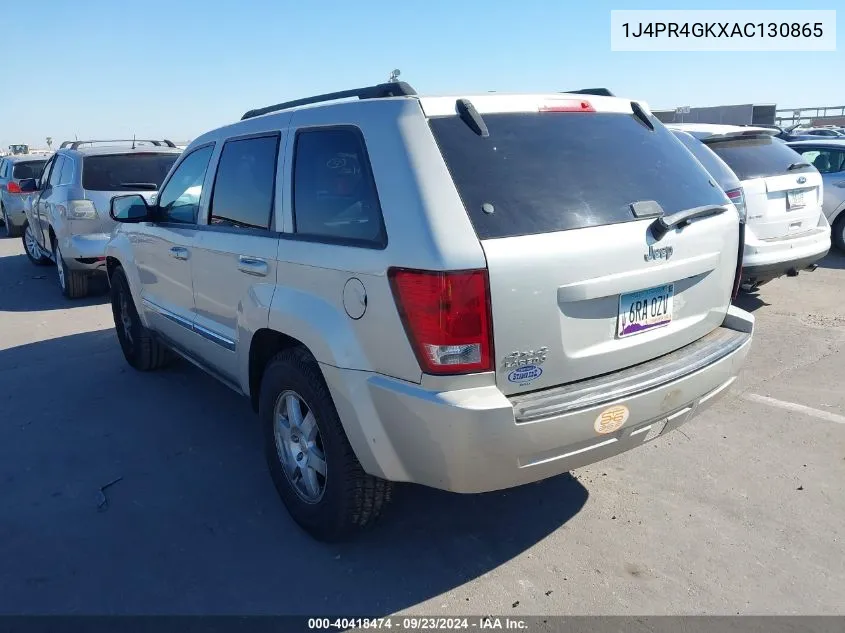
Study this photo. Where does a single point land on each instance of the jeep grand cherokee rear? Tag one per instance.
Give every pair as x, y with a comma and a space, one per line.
603, 311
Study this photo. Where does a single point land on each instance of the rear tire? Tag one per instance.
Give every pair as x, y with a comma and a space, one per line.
141, 350
838, 232
11, 231
74, 284
32, 249
345, 499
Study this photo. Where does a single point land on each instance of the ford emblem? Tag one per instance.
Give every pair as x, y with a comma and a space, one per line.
802, 180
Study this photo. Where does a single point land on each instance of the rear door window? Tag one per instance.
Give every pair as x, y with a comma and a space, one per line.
334, 194
126, 172
556, 171
245, 183
757, 157
29, 169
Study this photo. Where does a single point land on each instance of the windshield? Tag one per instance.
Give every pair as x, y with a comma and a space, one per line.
126, 172
29, 169
544, 172
757, 157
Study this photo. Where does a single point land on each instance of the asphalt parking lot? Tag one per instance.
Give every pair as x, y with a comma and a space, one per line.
742, 511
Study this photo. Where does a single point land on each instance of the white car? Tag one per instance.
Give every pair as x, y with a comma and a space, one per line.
786, 231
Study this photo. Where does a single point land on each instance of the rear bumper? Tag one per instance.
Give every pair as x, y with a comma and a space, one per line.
477, 439
764, 260
86, 252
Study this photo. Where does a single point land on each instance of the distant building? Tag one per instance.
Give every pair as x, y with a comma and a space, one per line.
745, 114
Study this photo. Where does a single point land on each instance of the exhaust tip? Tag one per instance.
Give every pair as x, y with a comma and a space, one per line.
812, 267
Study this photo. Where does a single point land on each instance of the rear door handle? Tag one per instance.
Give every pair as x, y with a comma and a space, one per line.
179, 252
252, 266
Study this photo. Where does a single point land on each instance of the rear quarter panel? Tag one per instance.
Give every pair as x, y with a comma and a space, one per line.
427, 228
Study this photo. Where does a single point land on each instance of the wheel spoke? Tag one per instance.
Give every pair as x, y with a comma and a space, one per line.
317, 461
309, 427
294, 410
309, 481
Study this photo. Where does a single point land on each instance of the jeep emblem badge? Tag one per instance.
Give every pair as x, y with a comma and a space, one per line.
658, 253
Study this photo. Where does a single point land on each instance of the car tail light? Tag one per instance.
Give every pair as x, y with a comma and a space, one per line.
13, 187
738, 198
741, 250
446, 317
566, 105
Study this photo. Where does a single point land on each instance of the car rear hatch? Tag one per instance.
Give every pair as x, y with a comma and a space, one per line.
24, 170
783, 193
107, 175
564, 195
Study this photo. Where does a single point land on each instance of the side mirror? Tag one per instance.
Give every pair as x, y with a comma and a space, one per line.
28, 185
129, 209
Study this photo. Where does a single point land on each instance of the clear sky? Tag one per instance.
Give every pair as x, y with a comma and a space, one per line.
176, 68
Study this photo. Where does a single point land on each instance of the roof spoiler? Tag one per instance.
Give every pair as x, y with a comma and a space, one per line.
77, 144
600, 92
380, 91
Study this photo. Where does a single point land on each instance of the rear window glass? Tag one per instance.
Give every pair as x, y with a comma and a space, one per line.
544, 172
126, 172
757, 157
29, 169
717, 168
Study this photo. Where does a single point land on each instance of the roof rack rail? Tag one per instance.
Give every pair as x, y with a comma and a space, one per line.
601, 92
157, 143
380, 91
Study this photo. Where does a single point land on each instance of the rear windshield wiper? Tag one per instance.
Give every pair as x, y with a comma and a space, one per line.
798, 166
139, 185
662, 225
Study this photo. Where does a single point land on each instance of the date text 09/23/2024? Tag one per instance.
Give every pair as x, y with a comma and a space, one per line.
419, 623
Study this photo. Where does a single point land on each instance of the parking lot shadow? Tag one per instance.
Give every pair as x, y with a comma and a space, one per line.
25, 287
835, 260
129, 492
749, 301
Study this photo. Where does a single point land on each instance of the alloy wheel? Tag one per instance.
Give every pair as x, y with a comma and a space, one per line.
299, 446
31, 245
60, 267
126, 319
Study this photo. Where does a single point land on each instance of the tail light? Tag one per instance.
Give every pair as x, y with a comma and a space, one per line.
741, 250
13, 187
446, 317
738, 198
566, 105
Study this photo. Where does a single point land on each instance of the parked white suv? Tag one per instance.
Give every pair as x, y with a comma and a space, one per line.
469, 293
786, 231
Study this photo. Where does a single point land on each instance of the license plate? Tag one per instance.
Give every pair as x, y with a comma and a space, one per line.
645, 310
795, 198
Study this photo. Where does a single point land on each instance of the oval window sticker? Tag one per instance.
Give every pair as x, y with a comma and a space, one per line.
611, 419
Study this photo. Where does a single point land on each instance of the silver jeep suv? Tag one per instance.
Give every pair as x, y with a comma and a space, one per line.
469, 293
67, 213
